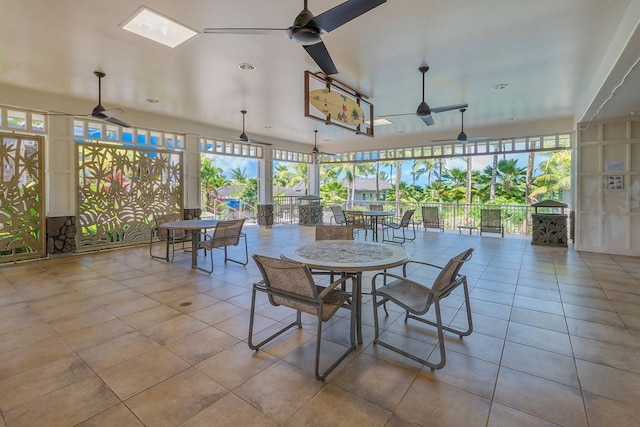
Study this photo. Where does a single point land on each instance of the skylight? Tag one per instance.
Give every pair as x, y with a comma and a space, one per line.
152, 25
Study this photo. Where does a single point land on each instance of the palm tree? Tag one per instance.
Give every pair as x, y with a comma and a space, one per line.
424, 166
238, 175
529, 178
333, 192
556, 176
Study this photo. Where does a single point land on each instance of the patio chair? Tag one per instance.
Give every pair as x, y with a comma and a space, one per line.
417, 298
404, 224
290, 284
170, 237
338, 216
491, 221
334, 232
227, 233
357, 221
431, 218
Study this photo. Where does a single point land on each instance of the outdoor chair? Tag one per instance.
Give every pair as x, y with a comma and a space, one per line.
334, 232
338, 216
416, 299
227, 233
357, 220
431, 218
170, 237
404, 224
290, 284
491, 221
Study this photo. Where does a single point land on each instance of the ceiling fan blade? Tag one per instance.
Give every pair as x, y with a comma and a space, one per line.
448, 108
321, 56
251, 141
343, 13
112, 112
428, 120
396, 115
254, 31
479, 139
117, 122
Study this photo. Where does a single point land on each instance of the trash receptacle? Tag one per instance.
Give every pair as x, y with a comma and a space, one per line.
549, 227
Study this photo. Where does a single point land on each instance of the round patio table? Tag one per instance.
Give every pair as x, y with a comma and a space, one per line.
350, 257
193, 225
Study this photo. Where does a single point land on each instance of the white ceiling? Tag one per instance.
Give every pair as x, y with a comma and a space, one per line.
560, 58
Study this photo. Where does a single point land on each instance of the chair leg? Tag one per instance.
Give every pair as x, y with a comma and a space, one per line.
253, 346
246, 253
352, 337
439, 327
211, 261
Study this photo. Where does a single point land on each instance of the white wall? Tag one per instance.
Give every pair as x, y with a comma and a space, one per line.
608, 219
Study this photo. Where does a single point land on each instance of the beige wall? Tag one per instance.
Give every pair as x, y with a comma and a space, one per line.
607, 218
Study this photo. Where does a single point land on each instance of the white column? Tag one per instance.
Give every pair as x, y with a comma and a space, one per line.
265, 178
60, 171
313, 179
191, 185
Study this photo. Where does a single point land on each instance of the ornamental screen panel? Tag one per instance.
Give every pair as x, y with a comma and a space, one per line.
22, 204
119, 190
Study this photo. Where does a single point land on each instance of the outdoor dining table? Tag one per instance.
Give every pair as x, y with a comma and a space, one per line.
193, 225
350, 257
377, 218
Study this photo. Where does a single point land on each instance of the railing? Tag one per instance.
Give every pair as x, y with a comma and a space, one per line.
285, 209
222, 211
516, 219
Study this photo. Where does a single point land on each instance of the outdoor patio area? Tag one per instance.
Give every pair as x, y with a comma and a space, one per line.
115, 338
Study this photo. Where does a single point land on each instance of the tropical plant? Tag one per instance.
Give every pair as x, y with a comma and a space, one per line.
333, 191
556, 176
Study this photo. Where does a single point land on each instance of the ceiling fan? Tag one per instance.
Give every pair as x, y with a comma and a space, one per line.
99, 112
424, 111
307, 29
462, 136
243, 136
315, 150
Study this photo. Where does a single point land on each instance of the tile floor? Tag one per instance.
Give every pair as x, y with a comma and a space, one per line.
117, 339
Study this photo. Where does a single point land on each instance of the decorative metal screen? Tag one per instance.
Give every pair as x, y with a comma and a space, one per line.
22, 219
119, 190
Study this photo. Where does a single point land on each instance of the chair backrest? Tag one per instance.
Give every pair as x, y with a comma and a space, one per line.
338, 215
431, 216
227, 233
161, 219
334, 232
448, 278
406, 218
355, 218
290, 277
376, 207
491, 219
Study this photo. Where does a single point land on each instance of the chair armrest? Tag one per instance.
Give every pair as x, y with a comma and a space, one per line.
399, 277
332, 285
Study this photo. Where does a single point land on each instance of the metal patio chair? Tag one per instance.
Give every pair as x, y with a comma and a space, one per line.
404, 224
227, 233
290, 284
170, 237
431, 218
491, 221
417, 298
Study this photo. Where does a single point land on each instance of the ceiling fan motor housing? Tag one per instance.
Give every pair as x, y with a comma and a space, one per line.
423, 109
303, 30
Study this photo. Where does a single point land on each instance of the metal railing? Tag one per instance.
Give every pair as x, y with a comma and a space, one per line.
516, 219
222, 211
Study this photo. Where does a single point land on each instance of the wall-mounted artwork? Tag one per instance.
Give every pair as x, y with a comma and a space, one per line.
334, 103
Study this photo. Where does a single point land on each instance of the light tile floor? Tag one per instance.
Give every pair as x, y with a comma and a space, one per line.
117, 339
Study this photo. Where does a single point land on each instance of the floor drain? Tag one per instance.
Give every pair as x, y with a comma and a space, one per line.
186, 304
